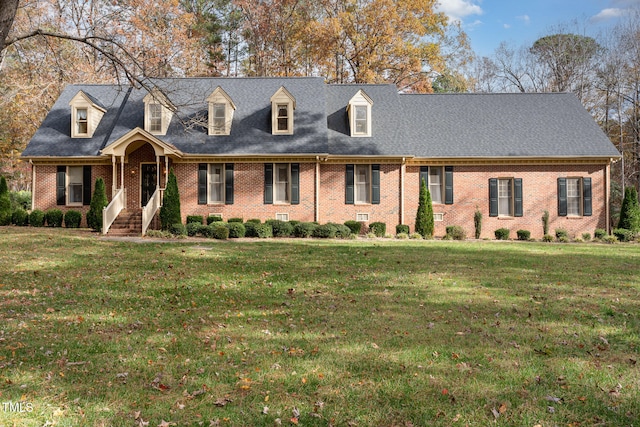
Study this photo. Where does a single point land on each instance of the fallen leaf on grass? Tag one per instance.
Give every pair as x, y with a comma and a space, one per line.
554, 399
222, 401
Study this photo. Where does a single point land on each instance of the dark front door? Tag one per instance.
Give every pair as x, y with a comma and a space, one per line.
149, 180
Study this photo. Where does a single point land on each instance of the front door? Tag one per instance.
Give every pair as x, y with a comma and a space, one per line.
149, 180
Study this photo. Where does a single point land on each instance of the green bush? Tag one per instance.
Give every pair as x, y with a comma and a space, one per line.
547, 238
197, 219
72, 219
236, 230
216, 230
98, 203
20, 199
624, 235
53, 217
304, 229
402, 236
378, 228
294, 222
599, 233
5, 203
564, 239
415, 236
20, 217
178, 229
193, 228
213, 218
326, 231
402, 229
477, 222
170, 210
586, 237
263, 231
342, 231
610, 239
561, 232
36, 218
630, 211
545, 223
455, 232
254, 221
354, 226
280, 228
523, 234
502, 234
240, 220
424, 216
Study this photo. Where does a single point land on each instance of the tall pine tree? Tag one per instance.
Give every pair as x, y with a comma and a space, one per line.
5, 203
98, 203
424, 216
630, 211
170, 210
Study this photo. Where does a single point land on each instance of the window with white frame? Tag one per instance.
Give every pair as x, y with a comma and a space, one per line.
221, 109
74, 185
155, 118
435, 184
282, 106
281, 179
216, 183
574, 197
361, 119
82, 121
282, 216
219, 118
86, 115
505, 197
359, 112
362, 183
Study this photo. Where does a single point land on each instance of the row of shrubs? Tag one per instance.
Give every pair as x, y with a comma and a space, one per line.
562, 235
50, 218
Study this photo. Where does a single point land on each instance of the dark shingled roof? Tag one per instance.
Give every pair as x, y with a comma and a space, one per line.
444, 125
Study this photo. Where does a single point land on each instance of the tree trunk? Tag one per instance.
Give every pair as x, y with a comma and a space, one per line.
7, 13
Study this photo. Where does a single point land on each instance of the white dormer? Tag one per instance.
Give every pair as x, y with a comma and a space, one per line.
85, 115
282, 106
158, 112
221, 109
359, 111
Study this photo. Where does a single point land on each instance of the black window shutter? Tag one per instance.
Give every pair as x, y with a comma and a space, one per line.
228, 183
295, 183
562, 196
517, 197
86, 185
375, 184
493, 197
61, 185
424, 175
268, 183
448, 185
349, 187
202, 183
586, 197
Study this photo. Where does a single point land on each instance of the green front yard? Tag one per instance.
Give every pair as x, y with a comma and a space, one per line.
316, 332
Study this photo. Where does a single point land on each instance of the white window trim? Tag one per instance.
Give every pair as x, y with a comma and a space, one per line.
441, 184
579, 197
511, 198
360, 99
94, 114
362, 217
355, 185
68, 186
223, 183
275, 172
282, 216
282, 97
438, 216
219, 96
155, 97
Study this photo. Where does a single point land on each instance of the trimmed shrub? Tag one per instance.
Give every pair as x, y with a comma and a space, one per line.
599, 233
263, 231
455, 232
415, 236
20, 199
354, 226
250, 229
402, 229
197, 219
342, 231
5, 203
304, 229
178, 229
240, 220
586, 237
72, 219
502, 234
220, 232
477, 223
236, 230
170, 210
193, 228
547, 238
545, 223
36, 218
326, 231
254, 221
624, 235
630, 210
523, 234
378, 228
402, 236
98, 203
424, 216
561, 232
294, 222
53, 217
610, 239
280, 228
20, 217
213, 218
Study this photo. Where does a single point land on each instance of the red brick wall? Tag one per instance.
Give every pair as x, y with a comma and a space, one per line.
45, 188
539, 183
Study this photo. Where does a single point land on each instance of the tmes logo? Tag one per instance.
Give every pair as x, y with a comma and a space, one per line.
19, 407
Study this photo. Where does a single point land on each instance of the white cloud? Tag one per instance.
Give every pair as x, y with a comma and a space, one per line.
524, 18
506, 26
607, 14
456, 10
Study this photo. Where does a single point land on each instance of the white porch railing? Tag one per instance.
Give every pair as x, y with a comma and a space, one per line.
111, 212
150, 209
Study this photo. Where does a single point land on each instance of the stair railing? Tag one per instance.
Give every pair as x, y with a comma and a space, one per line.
111, 212
150, 210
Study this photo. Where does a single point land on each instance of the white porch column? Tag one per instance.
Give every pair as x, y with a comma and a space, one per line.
317, 185
33, 185
114, 176
157, 172
166, 170
403, 169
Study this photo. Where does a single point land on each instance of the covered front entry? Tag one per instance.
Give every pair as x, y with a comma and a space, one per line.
148, 182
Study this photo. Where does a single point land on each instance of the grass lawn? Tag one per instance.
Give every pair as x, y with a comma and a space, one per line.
316, 333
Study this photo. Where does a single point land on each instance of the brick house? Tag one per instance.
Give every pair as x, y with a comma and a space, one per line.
300, 149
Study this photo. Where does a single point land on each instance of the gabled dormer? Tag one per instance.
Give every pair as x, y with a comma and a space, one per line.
282, 106
359, 111
158, 112
221, 109
86, 114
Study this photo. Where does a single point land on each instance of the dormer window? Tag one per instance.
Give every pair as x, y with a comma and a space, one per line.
359, 111
86, 113
282, 106
158, 112
221, 109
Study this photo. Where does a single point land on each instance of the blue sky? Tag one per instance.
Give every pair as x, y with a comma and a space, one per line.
519, 22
